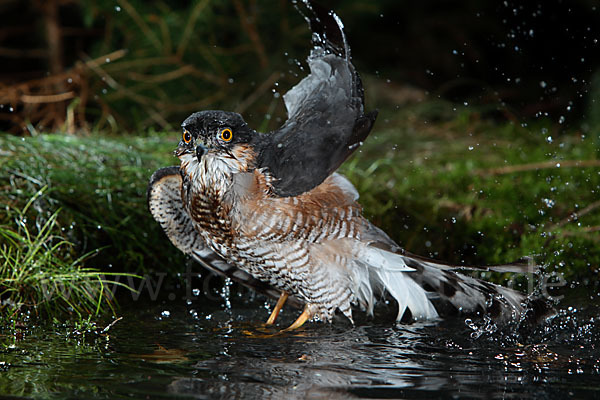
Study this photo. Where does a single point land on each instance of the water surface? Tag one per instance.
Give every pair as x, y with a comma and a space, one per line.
167, 349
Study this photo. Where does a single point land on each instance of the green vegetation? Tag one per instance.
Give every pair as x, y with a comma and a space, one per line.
98, 184
442, 181
39, 273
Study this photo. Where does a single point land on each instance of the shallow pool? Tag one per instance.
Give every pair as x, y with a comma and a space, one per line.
169, 349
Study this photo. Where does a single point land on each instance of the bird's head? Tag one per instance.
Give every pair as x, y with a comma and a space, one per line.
218, 133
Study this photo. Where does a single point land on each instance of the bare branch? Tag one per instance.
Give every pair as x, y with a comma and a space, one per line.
50, 98
575, 215
189, 27
250, 28
537, 166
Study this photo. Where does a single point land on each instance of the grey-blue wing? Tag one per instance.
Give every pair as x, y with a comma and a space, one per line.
165, 204
326, 121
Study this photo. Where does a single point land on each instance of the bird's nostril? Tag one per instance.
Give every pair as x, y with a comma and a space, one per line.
200, 151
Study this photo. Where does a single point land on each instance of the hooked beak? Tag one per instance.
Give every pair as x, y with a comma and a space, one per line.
179, 151
200, 151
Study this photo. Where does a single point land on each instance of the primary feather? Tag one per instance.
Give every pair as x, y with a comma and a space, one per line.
326, 120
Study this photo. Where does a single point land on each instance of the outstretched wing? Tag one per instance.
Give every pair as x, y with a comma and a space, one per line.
326, 120
164, 202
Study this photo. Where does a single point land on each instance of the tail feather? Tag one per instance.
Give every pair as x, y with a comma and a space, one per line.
426, 289
470, 295
408, 294
522, 265
380, 271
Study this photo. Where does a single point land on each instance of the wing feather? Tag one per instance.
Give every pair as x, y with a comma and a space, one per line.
326, 121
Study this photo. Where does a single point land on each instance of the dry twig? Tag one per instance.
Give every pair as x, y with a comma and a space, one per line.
537, 166
250, 28
575, 215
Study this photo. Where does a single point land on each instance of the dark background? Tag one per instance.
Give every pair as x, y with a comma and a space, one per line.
535, 59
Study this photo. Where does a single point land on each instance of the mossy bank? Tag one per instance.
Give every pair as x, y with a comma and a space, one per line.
443, 182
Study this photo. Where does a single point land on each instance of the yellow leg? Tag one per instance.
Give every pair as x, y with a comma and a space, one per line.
305, 316
282, 298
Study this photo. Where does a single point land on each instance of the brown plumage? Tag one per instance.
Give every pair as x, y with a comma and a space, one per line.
269, 211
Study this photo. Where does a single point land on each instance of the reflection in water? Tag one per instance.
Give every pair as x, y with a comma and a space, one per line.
322, 361
207, 355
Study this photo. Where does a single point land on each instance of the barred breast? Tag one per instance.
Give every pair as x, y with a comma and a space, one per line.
299, 243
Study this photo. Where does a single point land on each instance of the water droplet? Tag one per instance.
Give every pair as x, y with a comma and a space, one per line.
549, 202
166, 313
543, 84
471, 148
117, 8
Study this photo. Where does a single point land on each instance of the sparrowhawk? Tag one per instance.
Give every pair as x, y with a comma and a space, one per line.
269, 210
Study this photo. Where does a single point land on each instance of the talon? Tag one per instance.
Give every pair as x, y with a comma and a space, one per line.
307, 314
282, 298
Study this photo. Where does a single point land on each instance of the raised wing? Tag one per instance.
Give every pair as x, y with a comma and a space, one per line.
326, 121
164, 202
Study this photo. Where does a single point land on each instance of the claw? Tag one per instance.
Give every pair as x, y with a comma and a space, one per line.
307, 314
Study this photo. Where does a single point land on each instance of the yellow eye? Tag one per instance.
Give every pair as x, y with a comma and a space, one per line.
187, 136
226, 135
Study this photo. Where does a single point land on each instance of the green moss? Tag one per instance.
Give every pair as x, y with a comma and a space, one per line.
100, 185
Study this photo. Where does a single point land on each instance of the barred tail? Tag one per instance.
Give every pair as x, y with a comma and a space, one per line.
427, 289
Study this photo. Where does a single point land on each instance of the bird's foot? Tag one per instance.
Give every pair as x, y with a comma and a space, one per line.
282, 298
307, 314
